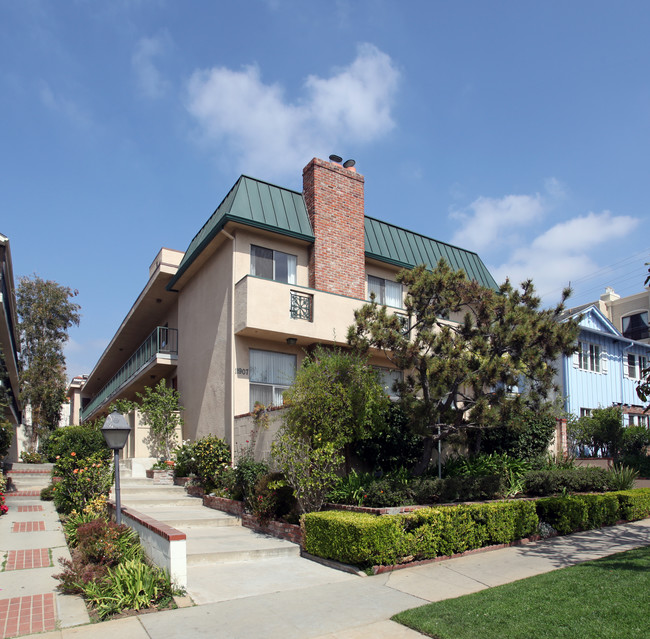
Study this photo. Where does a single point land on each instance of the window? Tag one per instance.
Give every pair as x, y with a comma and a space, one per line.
270, 375
639, 420
636, 326
273, 265
585, 412
387, 293
636, 365
387, 378
590, 357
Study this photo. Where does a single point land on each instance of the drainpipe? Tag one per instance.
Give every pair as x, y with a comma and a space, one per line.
232, 348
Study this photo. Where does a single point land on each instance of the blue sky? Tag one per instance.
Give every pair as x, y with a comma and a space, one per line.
517, 129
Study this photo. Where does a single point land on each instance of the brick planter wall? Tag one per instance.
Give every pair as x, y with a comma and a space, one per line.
279, 529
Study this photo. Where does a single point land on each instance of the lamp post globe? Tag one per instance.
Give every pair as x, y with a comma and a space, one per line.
116, 431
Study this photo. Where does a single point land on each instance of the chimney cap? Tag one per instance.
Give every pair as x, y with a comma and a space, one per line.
348, 164
336, 158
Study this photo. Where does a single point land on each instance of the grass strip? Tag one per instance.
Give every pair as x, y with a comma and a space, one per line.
605, 598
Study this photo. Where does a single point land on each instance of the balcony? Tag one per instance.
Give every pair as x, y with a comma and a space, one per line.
159, 350
277, 311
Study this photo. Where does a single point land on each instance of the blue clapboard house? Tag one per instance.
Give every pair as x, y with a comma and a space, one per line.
605, 370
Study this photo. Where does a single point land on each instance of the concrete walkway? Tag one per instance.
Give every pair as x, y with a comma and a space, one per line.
292, 597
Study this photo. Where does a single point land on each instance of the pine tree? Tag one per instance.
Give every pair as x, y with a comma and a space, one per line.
460, 373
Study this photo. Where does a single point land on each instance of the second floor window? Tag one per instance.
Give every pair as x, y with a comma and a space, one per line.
387, 293
589, 357
636, 326
273, 265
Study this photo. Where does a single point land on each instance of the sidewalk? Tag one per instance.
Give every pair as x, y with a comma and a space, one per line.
31, 543
347, 607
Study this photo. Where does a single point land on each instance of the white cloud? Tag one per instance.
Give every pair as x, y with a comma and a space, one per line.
565, 252
490, 222
151, 82
255, 126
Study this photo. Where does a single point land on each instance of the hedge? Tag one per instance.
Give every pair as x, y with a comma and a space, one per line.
634, 504
365, 540
584, 512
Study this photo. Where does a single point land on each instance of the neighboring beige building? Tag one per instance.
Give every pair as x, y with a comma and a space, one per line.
628, 314
272, 273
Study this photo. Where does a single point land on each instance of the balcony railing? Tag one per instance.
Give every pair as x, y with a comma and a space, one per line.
302, 306
162, 341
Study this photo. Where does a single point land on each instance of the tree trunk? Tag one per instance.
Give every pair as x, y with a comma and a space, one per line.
427, 449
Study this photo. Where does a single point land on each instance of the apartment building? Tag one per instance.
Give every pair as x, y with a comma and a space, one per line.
272, 273
628, 314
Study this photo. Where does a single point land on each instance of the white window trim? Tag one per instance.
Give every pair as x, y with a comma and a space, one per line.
602, 357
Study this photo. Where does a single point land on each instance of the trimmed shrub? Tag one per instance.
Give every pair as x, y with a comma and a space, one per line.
354, 538
602, 510
365, 540
566, 514
634, 504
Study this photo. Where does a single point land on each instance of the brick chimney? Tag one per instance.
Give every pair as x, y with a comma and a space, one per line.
334, 199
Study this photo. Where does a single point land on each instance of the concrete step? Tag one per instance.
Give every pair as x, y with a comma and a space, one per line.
159, 492
227, 545
149, 502
187, 519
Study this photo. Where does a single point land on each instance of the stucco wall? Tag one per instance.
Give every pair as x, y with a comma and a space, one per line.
204, 365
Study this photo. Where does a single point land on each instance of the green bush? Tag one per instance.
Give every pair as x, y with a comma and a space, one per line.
31, 457
602, 510
359, 539
453, 529
273, 499
247, 473
527, 435
634, 504
47, 493
566, 514
557, 480
469, 488
185, 458
80, 481
212, 456
83, 440
365, 540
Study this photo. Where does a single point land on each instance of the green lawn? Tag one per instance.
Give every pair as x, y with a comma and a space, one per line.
606, 598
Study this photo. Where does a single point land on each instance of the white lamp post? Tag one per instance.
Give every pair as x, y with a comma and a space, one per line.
116, 431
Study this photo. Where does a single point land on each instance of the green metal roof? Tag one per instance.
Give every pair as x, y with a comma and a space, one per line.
395, 245
273, 208
254, 203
